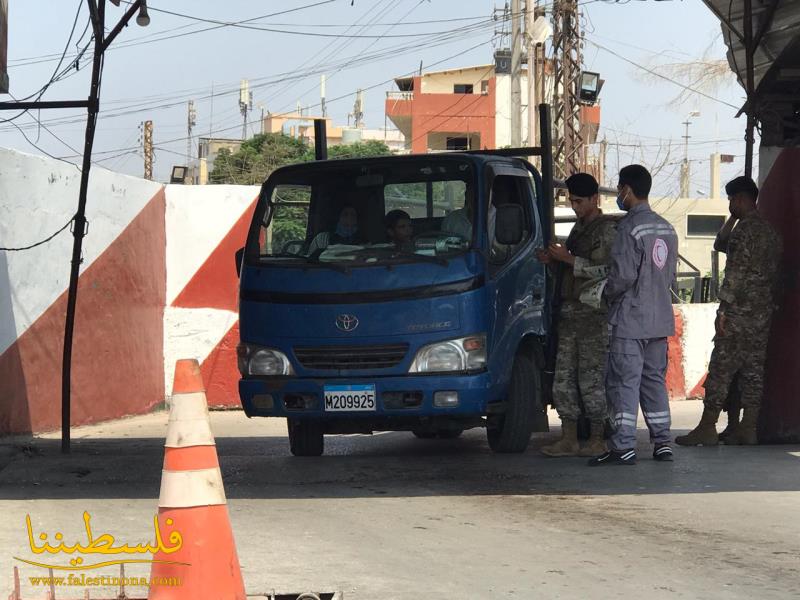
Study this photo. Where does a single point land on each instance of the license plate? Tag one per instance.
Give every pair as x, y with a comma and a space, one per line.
349, 398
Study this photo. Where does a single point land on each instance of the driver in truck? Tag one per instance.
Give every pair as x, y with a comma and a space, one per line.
346, 232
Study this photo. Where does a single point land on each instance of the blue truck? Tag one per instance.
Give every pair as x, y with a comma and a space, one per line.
356, 335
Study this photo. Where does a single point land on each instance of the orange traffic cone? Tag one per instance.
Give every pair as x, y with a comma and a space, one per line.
197, 558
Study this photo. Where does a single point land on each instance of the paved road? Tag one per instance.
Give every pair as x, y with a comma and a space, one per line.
391, 516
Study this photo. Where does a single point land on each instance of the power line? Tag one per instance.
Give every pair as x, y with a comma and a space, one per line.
289, 32
144, 39
388, 52
336, 99
657, 74
44, 241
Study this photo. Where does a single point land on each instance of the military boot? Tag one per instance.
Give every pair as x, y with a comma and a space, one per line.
568, 444
733, 423
705, 434
595, 445
745, 434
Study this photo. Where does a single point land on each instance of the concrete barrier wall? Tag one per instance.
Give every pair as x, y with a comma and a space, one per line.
158, 283
205, 227
117, 353
696, 344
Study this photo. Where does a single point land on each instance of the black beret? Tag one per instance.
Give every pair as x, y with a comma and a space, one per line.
742, 184
582, 184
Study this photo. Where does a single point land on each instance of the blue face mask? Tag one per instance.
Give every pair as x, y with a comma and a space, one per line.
345, 231
621, 202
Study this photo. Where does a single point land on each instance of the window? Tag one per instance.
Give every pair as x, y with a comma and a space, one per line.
410, 197
287, 231
462, 88
484, 87
507, 189
457, 143
704, 225
308, 223
447, 196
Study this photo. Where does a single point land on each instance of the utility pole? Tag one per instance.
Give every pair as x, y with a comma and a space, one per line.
516, 67
536, 66
358, 110
568, 60
148, 150
190, 123
245, 104
685, 166
322, 105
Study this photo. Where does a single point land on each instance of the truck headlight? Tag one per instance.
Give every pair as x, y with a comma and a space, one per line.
462, 354
255, 360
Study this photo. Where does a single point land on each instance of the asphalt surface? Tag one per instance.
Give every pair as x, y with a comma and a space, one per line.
392, 516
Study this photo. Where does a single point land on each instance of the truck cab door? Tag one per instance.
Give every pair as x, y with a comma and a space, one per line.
517, 279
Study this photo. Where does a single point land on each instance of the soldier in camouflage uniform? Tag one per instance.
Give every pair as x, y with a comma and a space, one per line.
582, 324
747, 299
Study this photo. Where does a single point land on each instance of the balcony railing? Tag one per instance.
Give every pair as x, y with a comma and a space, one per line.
399, 95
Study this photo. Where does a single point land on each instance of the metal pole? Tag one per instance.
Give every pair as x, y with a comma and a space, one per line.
516, 63
533, 101
79, 222
320, 140
714, 286
545, 133
751, 121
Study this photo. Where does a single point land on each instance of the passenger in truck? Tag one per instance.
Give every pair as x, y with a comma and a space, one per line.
399, 230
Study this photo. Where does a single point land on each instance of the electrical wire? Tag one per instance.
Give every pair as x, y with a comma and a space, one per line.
40, 243
657, 74
389, 52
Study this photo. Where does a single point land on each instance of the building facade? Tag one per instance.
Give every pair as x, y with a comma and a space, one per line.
464, 109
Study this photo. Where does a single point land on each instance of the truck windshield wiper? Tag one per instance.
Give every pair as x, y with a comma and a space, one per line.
420, 257
314, 260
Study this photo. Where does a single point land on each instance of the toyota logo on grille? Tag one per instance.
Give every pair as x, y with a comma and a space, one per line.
346, 322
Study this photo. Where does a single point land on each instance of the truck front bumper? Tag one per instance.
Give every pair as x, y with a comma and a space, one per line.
408, 396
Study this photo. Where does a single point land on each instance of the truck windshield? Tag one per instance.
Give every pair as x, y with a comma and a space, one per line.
392, 211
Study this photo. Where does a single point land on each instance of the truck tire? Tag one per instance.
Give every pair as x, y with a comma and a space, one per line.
512, 432
305, 437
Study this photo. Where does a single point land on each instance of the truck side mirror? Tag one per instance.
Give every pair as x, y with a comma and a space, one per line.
509, 223
239, 257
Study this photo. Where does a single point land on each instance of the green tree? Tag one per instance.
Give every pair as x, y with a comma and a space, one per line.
262, 154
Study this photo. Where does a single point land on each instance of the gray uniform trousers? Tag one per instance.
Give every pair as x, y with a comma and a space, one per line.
636, 375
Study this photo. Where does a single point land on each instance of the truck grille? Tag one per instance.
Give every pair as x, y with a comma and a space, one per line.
351, 357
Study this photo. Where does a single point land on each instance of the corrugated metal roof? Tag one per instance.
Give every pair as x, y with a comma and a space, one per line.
779, 45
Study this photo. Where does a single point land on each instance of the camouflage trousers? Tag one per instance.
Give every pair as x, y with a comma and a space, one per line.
579, 381
741, 352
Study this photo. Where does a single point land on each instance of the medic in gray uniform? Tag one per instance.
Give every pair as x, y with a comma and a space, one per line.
638, 291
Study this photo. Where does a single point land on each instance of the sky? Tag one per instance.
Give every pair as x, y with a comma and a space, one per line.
151, 73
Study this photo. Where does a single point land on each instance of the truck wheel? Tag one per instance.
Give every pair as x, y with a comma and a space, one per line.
512, 432
424, 434
305, 437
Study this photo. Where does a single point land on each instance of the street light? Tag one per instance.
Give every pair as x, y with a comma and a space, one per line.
143, 19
